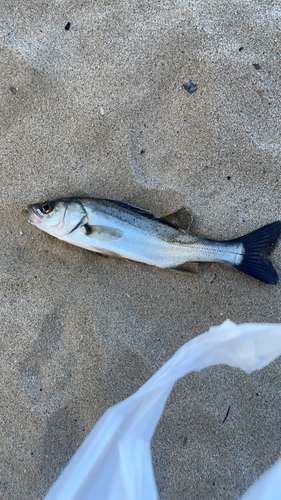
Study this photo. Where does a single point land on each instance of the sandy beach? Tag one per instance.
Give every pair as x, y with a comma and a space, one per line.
99, 109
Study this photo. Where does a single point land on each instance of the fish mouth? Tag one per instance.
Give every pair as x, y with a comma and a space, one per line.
34, 217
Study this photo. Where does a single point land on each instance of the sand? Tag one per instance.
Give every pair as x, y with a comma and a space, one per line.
100, 110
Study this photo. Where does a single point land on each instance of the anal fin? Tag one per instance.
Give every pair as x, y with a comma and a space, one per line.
186, 267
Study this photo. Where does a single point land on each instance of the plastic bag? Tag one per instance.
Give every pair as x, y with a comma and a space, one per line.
268, 487
114, 462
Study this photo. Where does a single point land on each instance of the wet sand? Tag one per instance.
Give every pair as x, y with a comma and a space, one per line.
100, 110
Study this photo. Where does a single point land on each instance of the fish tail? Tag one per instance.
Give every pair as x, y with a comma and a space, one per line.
258, 245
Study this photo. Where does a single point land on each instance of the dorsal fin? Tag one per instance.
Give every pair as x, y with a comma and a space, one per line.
181, 219
133, 208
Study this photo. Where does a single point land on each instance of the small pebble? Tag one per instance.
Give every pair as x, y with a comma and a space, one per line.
21, 233
190, 87
102, 111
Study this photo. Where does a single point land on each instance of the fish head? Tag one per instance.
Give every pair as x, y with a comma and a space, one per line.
59, 217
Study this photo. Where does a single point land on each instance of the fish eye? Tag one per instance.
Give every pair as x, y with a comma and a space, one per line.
47, 207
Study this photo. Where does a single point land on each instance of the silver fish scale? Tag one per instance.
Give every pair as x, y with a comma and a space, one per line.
176, 247
150, 225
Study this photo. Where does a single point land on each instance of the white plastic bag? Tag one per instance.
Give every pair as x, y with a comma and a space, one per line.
114, 462
268, 487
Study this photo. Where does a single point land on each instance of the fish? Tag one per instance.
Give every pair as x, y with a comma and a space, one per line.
118, 229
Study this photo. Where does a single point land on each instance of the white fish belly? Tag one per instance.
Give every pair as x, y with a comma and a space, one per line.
133, 244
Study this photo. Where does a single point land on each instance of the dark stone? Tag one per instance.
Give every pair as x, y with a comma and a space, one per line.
190, 87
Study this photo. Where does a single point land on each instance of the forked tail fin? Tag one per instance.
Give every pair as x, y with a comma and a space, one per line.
258, 245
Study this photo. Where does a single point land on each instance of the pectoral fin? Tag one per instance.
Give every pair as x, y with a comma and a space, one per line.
103, 233
181, 219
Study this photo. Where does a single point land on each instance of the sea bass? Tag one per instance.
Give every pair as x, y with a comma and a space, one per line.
115, 228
